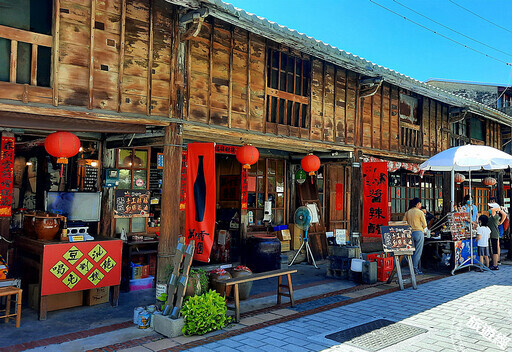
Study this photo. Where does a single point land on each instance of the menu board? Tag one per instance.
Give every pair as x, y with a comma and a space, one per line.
397, 238
131, 203
458, 225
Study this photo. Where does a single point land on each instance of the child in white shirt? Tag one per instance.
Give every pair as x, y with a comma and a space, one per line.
483, 232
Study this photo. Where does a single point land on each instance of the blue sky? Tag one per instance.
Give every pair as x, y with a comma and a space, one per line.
367, 30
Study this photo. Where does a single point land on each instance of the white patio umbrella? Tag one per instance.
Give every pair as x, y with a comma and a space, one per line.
467, 158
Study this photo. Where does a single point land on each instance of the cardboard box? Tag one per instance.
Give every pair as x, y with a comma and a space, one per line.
296, 240
97, 296
285, 246
136, 272
145, 271
55, 302
284, 235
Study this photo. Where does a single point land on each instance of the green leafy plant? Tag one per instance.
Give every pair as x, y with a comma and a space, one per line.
203, 280
204, 313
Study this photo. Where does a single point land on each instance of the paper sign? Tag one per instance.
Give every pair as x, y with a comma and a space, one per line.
314, 213
341, 236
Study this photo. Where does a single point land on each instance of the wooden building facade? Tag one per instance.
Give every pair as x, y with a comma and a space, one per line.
164, 73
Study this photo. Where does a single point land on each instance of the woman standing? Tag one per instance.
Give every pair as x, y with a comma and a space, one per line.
416, 219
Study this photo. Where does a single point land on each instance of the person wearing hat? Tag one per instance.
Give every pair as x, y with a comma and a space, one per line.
416, 219
496, 218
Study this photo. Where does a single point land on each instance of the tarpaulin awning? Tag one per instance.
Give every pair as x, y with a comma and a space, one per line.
396, 165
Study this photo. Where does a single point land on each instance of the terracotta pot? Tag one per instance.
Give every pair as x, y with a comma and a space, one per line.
28, 223
47, 226
215, 283
244, 289
193, 286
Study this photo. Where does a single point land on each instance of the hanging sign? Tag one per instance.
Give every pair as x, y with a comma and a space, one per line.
131, 203
226, 149
7, 174
200, 200
81, 266
160, 160
245, 188
375, 198
300, 176
183, 183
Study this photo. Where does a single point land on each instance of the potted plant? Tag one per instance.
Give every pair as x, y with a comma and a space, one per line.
204, 313
216, 277
244, 289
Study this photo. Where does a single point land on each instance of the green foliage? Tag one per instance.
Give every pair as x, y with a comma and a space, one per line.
204, 313
203, 280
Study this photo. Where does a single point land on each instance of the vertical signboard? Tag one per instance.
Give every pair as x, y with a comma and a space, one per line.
7, 174
375, 198
200, 199
183, 183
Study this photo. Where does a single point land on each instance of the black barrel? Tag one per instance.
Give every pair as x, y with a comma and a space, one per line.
263, 253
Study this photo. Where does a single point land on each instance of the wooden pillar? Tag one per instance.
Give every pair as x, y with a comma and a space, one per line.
107, 199
447, 187
356, 197
499, 187
170, 226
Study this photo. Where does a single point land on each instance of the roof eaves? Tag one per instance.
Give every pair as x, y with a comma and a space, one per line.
271, 30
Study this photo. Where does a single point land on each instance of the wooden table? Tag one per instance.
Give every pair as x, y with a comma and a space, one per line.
32, 253
260, 276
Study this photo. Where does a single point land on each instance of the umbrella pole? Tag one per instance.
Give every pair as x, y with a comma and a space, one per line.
452, 191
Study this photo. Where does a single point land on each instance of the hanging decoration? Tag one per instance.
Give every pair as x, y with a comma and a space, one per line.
7, 174
62, 145
310, 163
247, 156
489, 181
459, 178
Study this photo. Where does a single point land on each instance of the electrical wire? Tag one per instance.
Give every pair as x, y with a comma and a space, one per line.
477, 15
453, 30
442, 35
507, 87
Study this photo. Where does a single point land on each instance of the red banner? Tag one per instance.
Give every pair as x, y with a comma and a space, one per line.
200, 200
183, 184
7, 174
375, 198
245, 188
80, 266
339, 196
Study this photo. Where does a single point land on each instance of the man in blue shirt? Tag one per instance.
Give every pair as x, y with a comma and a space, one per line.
470, 208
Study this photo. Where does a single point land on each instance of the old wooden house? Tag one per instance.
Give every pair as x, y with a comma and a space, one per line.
138, 78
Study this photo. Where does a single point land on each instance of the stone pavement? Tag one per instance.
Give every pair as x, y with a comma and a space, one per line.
468, 312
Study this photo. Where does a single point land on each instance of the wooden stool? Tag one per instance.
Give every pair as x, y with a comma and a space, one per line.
9, 291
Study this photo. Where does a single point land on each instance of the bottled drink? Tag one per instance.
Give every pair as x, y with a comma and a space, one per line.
200, 191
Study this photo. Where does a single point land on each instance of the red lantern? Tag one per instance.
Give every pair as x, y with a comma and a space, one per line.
489, 181
247, 156
62, 145
310, 163
459, 178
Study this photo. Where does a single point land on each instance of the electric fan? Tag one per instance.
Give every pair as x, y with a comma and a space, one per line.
302, 219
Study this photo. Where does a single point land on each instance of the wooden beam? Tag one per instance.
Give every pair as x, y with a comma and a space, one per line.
173, 56
25, 36
14, 61
33, 66
324, 72
230, 76
55, 51
249, 85
91, 53
150, 58
210, 74
121, 55
170, 228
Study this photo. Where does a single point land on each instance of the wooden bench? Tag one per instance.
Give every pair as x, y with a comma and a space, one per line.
260, 276
8, 292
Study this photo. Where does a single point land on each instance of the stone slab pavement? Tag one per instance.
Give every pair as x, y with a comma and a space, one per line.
470, 311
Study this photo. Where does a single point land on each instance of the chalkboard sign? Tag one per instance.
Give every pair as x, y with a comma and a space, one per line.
131, 203
397, 238
458, 225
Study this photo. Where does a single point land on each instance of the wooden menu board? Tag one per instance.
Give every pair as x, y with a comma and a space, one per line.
397, 238
457, 223
131, 203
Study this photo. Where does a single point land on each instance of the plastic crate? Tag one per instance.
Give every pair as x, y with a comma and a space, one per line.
385, 263
141, 284
383, 275
373, 257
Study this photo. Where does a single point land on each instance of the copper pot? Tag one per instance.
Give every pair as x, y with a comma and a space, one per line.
46, 226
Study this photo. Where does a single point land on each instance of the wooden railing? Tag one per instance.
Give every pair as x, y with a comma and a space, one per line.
410, 139
34, 39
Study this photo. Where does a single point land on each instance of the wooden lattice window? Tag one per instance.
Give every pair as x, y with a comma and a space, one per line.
287, 89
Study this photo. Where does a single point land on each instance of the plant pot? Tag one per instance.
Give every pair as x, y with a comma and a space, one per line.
193, 286
215, 282
244, 289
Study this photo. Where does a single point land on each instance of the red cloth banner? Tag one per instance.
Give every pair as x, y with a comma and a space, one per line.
7, 175
183, 183
375, 198
245, 187
80, 266
201, 200
339, 196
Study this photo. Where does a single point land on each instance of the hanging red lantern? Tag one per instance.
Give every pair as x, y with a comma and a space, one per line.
310, 163
62, 145
247, 156
489, 181
459, 178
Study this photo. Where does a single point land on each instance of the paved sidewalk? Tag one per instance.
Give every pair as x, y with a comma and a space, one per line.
468, 312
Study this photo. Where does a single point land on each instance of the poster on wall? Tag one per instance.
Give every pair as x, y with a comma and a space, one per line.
7, 174
375, 198
81, 266
200, 200
130, 203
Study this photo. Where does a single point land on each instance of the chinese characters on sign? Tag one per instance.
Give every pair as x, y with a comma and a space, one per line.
7, 174
225, 149
80, 266
397, 238
245, 188
183, 184
131, 203
375, 198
